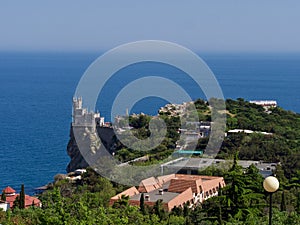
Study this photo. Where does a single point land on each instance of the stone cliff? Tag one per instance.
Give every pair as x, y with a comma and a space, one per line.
77, 161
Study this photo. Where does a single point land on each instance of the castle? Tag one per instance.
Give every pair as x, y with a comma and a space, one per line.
83, 118
87, 122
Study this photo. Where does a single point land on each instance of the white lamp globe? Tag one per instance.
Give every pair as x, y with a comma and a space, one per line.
271, 184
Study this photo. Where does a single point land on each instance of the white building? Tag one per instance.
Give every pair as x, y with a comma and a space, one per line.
4, 205
267, 104
82, 117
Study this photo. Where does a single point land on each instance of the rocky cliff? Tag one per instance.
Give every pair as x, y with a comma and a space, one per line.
77, 161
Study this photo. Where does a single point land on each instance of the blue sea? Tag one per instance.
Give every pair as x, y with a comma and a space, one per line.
36, 91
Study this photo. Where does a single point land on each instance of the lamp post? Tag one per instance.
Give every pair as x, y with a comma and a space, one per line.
271, 184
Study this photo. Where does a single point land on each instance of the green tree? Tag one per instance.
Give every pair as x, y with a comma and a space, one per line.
142, 204
283, 203
3, 196
159, 210
122, 202
16, 204
22, 197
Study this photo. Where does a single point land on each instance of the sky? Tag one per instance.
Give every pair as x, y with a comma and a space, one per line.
94, 25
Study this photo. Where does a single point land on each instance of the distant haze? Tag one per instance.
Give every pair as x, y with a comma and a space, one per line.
210, 26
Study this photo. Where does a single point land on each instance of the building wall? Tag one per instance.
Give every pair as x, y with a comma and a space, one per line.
4, 206
82, 117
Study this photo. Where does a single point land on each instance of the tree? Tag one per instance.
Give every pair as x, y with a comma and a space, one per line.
159, 210
3, 196
235, 167
142, 204
122, 202
220, 190
186, 213
16, 204
22, 197
283, 203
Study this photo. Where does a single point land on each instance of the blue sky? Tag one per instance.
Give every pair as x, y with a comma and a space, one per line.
259, 26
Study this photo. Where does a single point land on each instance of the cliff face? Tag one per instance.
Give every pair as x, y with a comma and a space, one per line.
77, 161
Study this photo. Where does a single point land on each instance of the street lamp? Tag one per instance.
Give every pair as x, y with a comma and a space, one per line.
271, 184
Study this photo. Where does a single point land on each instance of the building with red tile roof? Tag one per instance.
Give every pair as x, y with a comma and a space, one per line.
9, 191
11, 197
128, 192
173, 190
148, 185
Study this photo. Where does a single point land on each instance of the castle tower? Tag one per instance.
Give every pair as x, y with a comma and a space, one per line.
77, 103
78, 111
83, 118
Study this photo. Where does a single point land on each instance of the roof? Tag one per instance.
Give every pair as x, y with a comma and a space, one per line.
172, 189
182, 198
197, 163
165, 178
181, 182
128, 192
248, 131
155, 195
29, 200
213, 183
178, 185
264, 102
9, 190
148, 185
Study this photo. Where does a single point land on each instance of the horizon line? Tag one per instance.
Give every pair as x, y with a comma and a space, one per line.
101, 51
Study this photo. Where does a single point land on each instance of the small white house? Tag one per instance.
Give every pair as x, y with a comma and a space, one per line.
4, 206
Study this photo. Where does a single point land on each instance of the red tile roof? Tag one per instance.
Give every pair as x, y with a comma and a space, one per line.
165, 178
128, 192
9, 190
148, 185
179, 185
11, 197
29, 200
180, 188
182, 181
182, 198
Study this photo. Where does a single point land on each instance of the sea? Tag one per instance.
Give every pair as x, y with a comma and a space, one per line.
36, 91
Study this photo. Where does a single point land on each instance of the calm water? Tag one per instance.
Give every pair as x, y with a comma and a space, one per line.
36, 101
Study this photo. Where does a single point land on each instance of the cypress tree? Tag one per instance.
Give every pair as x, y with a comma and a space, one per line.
22, 197
220, 190
283, 203
17, 202
159, 210
142, 203
235, 166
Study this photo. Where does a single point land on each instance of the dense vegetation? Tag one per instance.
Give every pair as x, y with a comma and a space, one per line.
242, 201
140, 123
282, 146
